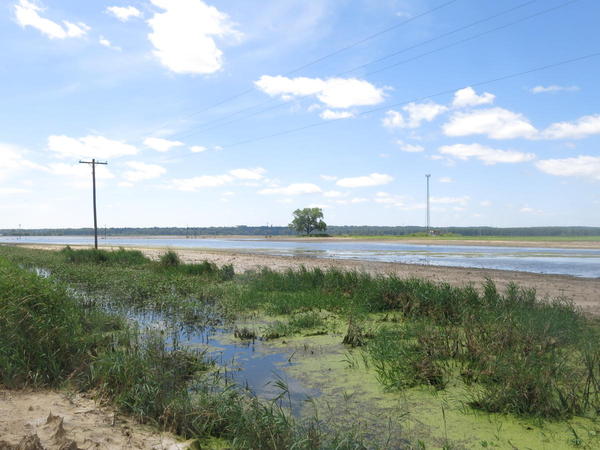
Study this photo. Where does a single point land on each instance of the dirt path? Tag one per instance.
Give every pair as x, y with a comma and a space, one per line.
49, 420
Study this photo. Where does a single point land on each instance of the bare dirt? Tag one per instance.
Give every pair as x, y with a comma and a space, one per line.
39, 420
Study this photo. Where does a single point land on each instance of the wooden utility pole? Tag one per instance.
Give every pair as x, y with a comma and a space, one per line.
93, 162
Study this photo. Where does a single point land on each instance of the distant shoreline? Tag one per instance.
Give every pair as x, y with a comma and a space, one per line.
583, 242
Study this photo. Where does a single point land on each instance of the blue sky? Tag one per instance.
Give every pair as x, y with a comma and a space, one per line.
148, 86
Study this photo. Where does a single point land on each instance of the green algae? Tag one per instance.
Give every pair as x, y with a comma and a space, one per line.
351, 391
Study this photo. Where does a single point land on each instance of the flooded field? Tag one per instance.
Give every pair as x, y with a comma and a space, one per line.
330, 358
576, 262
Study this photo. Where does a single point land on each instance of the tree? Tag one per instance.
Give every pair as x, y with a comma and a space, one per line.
307, 220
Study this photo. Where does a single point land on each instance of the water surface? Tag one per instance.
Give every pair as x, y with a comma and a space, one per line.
565, 261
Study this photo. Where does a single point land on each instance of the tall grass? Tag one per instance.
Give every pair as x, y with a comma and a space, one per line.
45, 335
48, 338
514, 352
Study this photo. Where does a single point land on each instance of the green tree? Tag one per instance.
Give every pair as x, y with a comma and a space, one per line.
308, 220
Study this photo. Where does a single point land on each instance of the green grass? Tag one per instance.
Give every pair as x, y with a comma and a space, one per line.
513, 352
50, 338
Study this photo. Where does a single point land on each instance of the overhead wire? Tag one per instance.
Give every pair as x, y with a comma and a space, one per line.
324, 57
216, 124
417, 99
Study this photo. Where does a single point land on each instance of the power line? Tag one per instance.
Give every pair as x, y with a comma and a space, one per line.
462, 41
427, 97
405, 49
322, 58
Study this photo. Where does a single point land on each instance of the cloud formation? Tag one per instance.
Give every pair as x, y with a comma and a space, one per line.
184, 34
467, 97
417, 113
581, 128
553, 88
495, 123
488, 155
161, 145
338, 93
28, 14
374, 179
124, 13
581, 166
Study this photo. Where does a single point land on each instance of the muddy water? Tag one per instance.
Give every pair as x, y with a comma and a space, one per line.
565, 261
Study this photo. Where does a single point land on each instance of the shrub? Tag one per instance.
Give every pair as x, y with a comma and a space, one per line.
169, 259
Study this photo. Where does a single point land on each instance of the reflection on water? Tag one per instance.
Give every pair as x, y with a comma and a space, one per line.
248, 364
576, 262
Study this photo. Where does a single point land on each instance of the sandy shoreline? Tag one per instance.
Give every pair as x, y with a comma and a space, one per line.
584, 292
533, 243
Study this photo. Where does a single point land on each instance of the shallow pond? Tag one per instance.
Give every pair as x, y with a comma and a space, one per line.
576, 262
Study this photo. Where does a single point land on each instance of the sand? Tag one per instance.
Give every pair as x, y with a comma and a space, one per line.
53, 420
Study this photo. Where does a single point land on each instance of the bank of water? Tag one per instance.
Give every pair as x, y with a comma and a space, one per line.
575, 262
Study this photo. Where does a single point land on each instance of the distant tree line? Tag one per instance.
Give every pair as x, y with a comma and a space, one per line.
349, 230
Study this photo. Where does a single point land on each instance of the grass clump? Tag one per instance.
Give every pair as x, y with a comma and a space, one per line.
169, 259
98, 256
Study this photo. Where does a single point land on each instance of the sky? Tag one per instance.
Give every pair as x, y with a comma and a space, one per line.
218, 113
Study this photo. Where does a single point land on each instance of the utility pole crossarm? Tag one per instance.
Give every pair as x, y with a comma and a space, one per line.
94, 163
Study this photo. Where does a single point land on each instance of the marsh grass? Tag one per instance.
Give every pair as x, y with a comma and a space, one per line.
514, 352
93, 256
48, 338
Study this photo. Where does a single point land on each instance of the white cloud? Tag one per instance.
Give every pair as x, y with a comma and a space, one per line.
97, 147
198, 149
248, 174
410, 148
488, 155
496, 123
204, 181
124, 13
583, 127
393, 119
417, 113
328, 114
446, 180
12, 159
374, 179
106, 43
329, 177
553, 88
334, 92
293, 189
161, 145
468, 97
183, 35
422, 112
141, 171
580, 166
28, 14
485, 203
